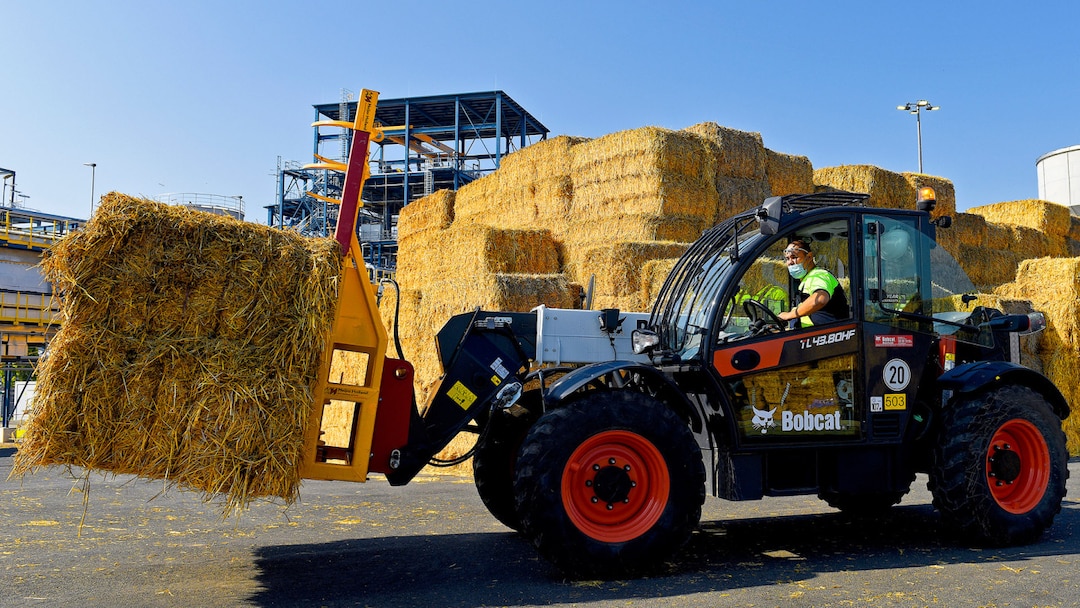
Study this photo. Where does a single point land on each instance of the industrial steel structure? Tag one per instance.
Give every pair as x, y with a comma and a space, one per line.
430, 143
29, 312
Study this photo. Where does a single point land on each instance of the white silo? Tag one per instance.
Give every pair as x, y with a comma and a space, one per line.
1059, 176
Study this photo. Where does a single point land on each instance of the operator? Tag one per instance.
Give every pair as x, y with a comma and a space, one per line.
821, 297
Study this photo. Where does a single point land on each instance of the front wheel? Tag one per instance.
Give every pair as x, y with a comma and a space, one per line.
610, 485
1000, 467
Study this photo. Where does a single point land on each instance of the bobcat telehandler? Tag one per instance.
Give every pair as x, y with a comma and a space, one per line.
599, 432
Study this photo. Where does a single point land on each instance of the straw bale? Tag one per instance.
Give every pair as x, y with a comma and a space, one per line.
644, 150
967, 228
887, 190
738, 194
543, 160
653, 275
618, 266
1074, 228
988, 267
468, 250
1072, 248
645, 193
1052, 285
629, 303
1044, 216
788, 173
632, 227
210, 392
1031, 243
943, 190
1063, 368
477, 199
733, 153
998, 236
434, 211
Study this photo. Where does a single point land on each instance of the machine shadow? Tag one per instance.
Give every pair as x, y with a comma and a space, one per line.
482, 569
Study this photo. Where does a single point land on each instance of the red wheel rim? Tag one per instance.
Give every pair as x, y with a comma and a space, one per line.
615, 486
1018, 466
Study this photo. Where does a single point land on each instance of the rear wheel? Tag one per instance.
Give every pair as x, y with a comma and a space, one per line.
496, 458
609, 485
1000, 468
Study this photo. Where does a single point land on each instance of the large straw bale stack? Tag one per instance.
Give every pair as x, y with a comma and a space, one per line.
653, 275
1052, 285
788, 173
651, 150
478, 201
944, 191
465, 250
987, 267
433, 212
189, 351
545, 159
683, 229
1074, 228
737, 194
1031, 243
967, 229
618, 266
887, 190
1044, 216
732, 153
648, 171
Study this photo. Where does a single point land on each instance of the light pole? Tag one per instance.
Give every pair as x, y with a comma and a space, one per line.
93, 174
917, 108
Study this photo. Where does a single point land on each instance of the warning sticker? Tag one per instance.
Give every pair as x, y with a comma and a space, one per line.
461, 395
894, 341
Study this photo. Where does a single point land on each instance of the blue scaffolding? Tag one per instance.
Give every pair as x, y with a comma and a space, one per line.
431, 143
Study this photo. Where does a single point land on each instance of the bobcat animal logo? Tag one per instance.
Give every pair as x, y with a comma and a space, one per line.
763, 419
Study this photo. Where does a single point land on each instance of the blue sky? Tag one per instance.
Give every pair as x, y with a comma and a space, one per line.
199, 96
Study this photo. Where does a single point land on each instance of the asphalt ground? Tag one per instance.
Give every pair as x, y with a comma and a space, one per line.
433, 544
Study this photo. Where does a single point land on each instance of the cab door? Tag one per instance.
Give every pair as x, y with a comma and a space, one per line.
791, 385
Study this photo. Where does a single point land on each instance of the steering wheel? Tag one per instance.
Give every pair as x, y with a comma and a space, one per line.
762, 319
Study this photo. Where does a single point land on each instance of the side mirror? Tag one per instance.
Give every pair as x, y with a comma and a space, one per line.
768, 216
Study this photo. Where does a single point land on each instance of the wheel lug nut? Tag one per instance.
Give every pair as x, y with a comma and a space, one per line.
633, 484
626, 468
610, 506
595, 500
611, 461
626, 501
596, 467
588, 483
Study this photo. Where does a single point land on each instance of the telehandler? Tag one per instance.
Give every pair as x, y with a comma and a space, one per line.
601, 431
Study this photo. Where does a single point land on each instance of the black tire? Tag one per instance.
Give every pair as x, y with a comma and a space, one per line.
495, 459
624, 518
999, 469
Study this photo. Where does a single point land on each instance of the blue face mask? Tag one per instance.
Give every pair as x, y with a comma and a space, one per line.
797, 270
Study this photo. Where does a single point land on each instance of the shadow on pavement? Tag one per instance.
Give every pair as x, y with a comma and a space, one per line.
484, 569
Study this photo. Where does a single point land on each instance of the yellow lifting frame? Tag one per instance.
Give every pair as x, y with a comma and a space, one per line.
358, 333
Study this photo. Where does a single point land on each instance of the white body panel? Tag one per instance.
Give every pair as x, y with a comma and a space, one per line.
567, 336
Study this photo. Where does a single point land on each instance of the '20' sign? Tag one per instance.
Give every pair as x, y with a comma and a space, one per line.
896, 374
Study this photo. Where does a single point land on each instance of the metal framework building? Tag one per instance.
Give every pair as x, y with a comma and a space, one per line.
431, 143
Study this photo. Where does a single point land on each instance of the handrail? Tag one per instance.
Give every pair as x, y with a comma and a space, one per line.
26, 229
